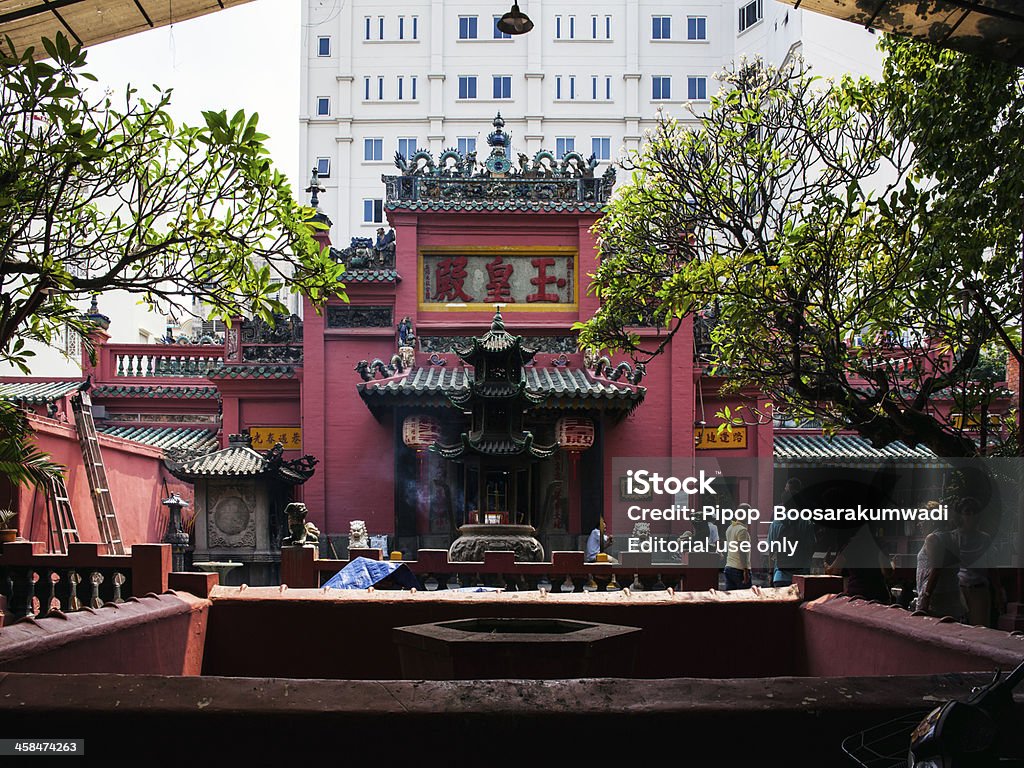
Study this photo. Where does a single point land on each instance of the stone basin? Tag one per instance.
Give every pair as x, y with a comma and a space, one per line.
535, 648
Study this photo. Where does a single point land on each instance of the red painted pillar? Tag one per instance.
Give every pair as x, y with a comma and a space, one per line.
313, 403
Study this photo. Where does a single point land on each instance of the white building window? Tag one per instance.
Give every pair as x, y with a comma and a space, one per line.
498, 34
323, 106
323, 46
323, 167
466, 144
401, 87
608, 88
601, 146
407, 146
696, 28
572, 86
369, 25
415, 27
607, 27
401, 27
572, 27
661, 28
412, 87
467, 28
565, 87
366, 89
661, 88
502, 87
750, 14
380, 88
696, 88
373, 150
467, 86
373, 211
558, 27
563, 145
380, 27
558, 87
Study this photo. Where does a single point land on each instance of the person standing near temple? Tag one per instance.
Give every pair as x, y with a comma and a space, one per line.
938, 585
976, 584
737, 558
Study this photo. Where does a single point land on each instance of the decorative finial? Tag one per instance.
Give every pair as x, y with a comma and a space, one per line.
497, 324
315, 188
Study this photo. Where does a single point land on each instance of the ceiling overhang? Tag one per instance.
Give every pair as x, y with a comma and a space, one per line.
990, 28
89, 22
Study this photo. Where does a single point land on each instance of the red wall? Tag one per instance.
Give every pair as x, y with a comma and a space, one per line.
136, 475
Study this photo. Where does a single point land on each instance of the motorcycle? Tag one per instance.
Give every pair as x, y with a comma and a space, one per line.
976, 733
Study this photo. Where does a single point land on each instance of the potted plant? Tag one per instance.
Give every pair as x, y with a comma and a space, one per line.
7, 530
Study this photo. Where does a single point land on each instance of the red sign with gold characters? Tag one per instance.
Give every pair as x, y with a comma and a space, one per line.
711, 439
265, 438
515, 279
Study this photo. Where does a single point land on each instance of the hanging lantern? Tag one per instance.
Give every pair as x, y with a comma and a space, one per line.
574, 434
420, 432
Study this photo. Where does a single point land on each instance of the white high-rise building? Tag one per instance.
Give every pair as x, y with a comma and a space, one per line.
393, 76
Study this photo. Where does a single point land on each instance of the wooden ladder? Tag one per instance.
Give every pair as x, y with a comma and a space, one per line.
59, 516
106, 519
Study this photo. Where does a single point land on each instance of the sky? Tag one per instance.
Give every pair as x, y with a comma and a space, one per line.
245, 57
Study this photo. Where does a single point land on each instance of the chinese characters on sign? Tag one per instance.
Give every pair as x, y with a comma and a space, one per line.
265, 438
710, 439
526, 279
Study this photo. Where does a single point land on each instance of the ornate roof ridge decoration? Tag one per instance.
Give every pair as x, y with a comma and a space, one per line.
163, 390
252, 371
461, 180
239, 459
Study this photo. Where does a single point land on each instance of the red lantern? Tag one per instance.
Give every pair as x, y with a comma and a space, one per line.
420, 432
574, 434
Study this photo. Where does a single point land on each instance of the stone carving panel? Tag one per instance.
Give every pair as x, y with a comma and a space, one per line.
232, 517
360, 316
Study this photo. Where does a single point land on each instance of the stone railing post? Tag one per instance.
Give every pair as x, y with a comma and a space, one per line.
151, 563
298, 567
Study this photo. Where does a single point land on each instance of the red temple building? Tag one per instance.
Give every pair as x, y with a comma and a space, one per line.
447, 393
355, 395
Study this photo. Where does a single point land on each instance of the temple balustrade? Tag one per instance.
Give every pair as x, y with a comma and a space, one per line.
37, 584
301, 568
117, 363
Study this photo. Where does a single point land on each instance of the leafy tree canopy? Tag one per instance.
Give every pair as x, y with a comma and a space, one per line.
110, 193
830, 243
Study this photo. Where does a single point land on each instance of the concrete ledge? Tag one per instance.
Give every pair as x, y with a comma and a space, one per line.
843, 635
347, 634
786, 721
156, 634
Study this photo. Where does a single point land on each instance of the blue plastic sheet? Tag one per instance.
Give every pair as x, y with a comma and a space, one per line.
363, 572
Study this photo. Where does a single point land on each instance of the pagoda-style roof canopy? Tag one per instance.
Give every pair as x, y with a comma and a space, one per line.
457, 182
562, 388
240, 460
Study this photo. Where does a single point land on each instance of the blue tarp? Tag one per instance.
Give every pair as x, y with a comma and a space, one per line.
363, 572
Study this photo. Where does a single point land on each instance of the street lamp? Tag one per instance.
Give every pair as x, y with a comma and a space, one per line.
515, 22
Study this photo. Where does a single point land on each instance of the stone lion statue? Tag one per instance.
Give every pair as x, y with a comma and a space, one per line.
358, 537
301, 533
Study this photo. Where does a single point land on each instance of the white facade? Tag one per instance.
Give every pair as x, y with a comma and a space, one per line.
130, 323
393, 75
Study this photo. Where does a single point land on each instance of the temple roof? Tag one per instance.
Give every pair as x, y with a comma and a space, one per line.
500, 182
253, 372
168, 438
559, 387
38, 392
822, 450
240, 460
187, 393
